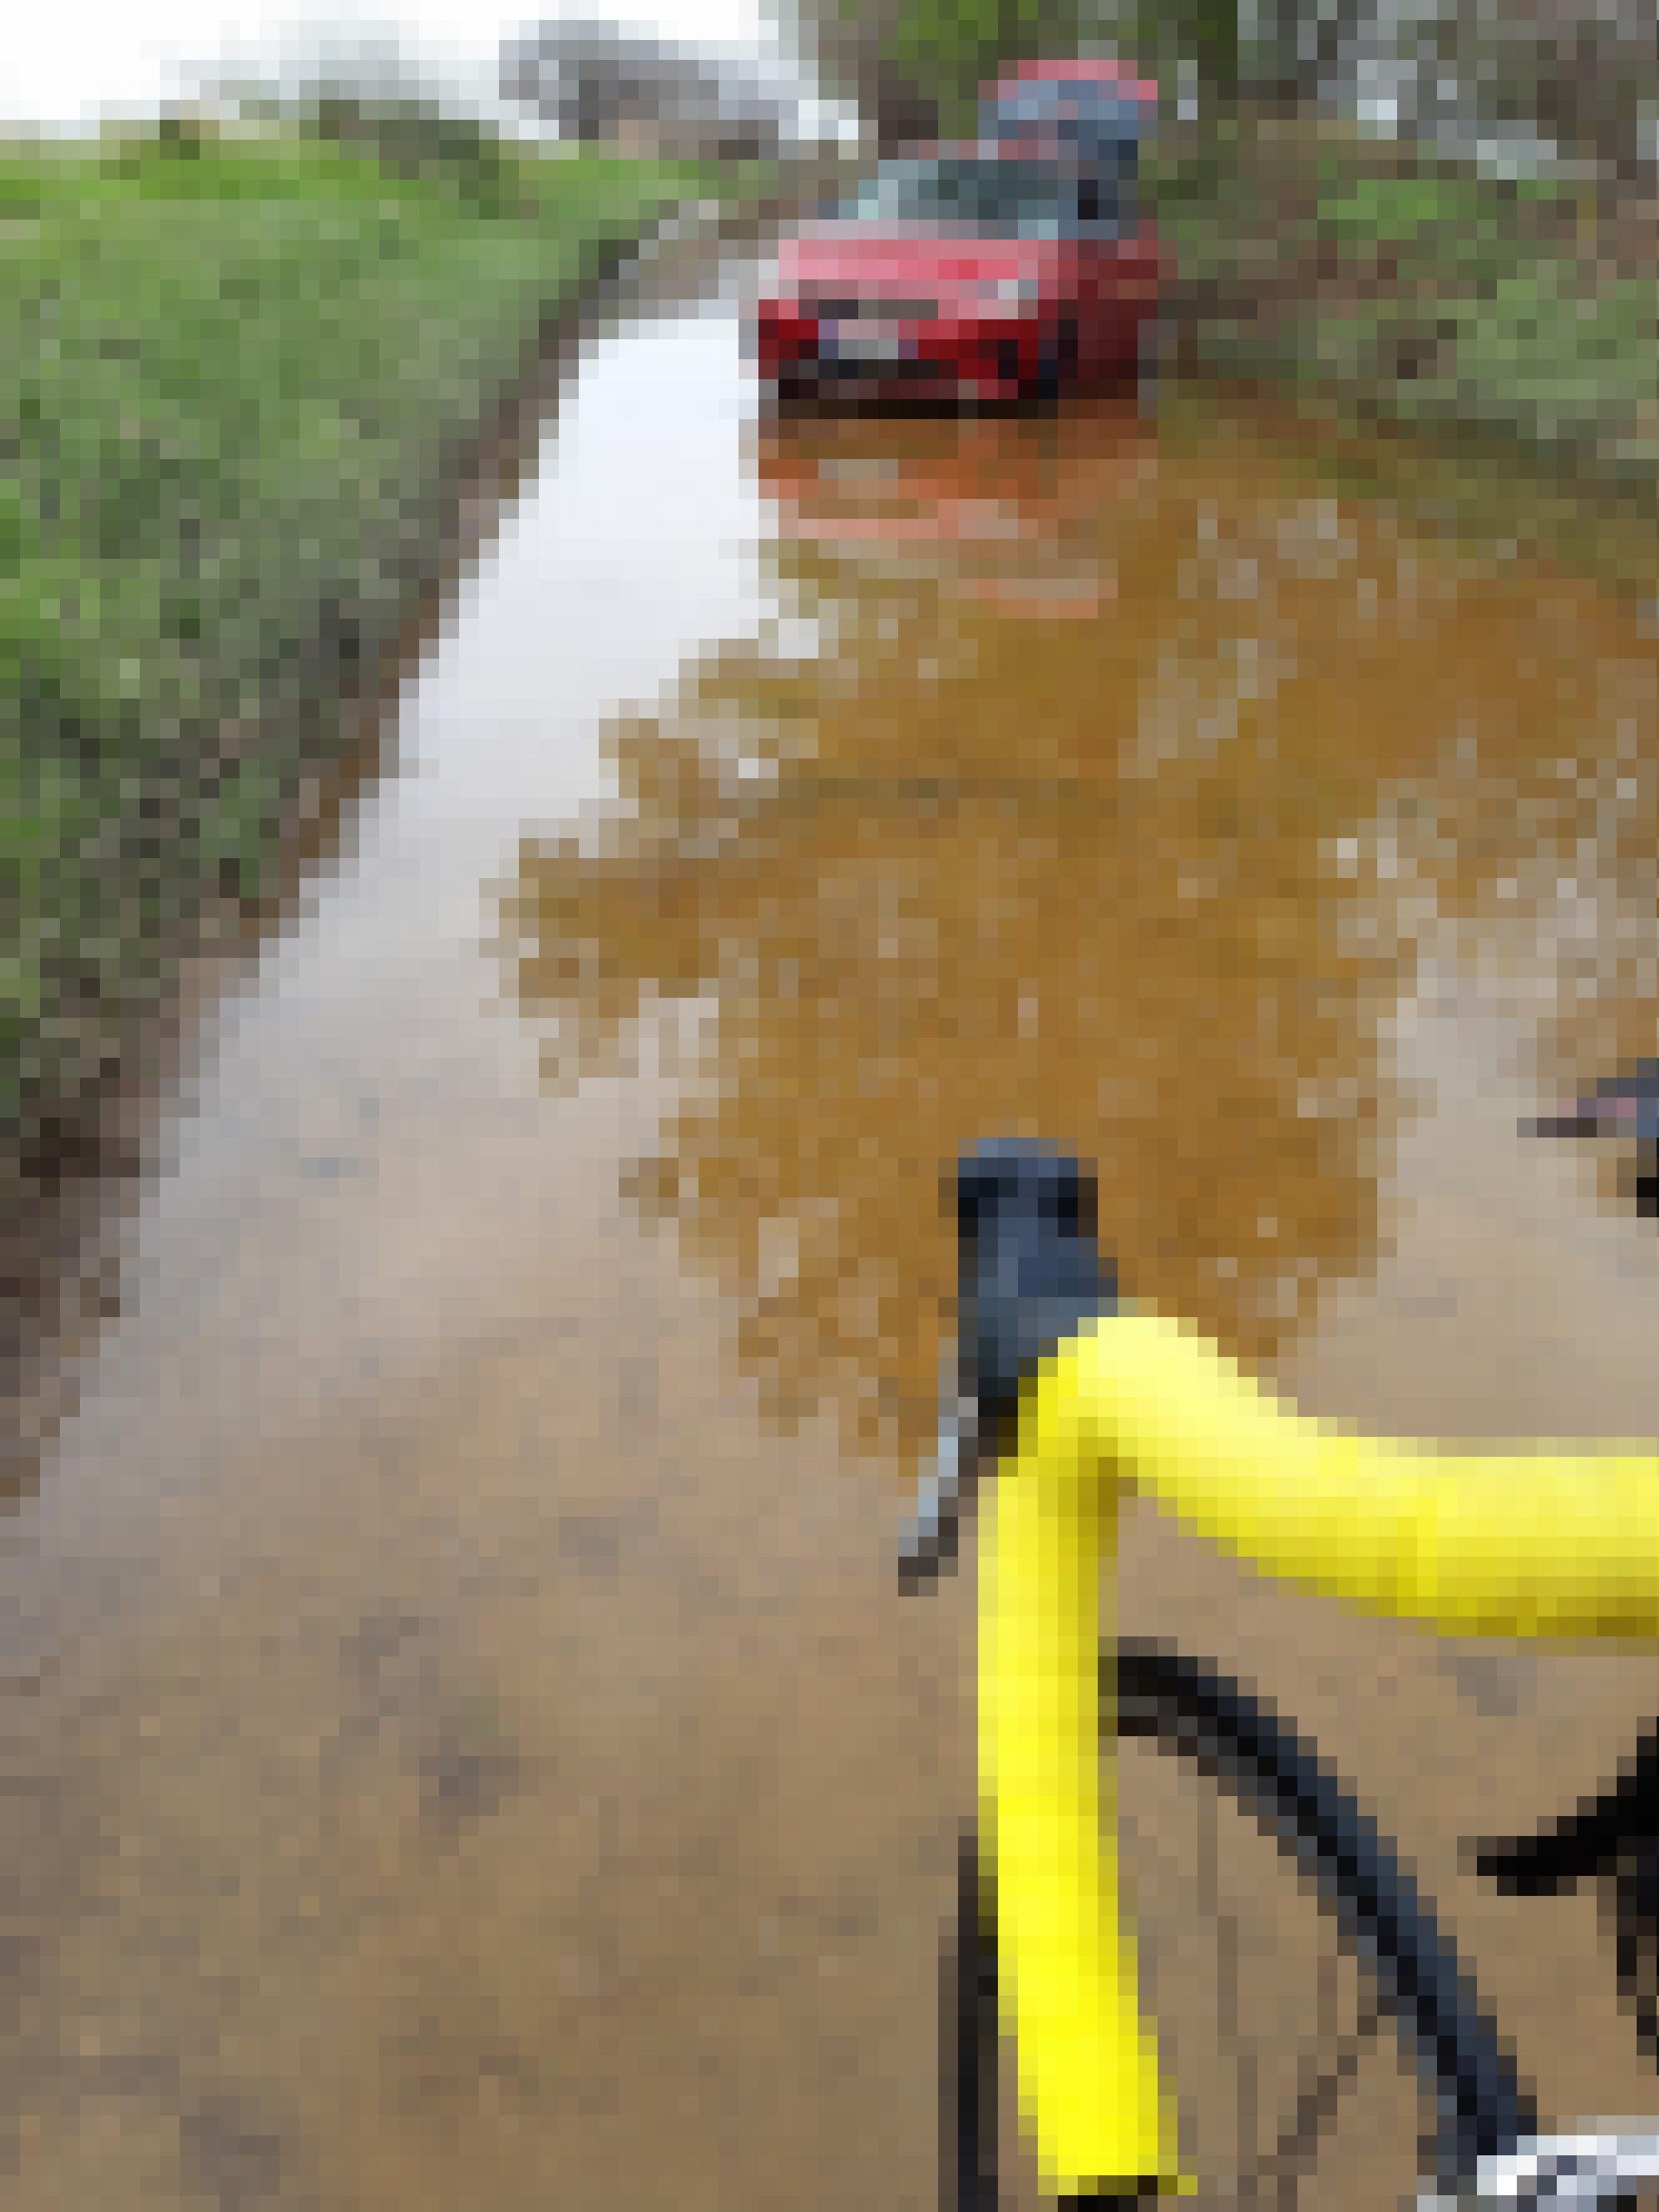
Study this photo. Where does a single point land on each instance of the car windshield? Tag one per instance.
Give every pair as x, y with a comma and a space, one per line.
1000, 198
1043, 102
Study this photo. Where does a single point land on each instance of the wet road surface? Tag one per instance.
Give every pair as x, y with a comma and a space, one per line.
469, 1746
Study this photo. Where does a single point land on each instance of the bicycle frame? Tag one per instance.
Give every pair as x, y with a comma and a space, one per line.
1016, 1304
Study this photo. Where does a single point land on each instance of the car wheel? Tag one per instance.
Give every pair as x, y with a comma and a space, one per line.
1056, 363
782, 394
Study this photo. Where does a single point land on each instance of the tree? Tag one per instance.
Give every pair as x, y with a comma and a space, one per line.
592, 80
914, 67
381, 102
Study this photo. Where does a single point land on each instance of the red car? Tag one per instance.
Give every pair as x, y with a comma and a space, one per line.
966, 275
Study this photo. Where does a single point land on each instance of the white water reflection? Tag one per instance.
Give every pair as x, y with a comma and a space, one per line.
368, 1054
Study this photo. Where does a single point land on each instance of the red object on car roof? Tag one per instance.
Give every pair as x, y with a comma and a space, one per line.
1121, 80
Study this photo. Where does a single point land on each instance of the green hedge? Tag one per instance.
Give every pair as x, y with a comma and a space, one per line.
1420, 294
234, 374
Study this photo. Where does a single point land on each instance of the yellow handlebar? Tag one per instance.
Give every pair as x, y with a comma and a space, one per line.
1531, 1544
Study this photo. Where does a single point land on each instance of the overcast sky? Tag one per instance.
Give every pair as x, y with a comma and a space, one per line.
67, 64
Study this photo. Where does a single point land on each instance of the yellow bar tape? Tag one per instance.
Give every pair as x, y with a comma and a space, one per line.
1553, 1543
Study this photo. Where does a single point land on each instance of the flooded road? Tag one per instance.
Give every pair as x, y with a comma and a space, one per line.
469, 1748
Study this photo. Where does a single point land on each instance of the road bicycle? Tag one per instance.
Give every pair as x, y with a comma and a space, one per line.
1031, 1277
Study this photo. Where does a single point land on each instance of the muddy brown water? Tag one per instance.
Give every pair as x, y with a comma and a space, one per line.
467, 1748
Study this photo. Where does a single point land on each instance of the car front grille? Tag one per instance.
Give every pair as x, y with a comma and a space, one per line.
832, 307
907, 369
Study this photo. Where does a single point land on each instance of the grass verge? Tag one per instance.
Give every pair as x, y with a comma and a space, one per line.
1520, 318
238, 376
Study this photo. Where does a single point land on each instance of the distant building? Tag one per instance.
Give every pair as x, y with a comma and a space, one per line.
635, 94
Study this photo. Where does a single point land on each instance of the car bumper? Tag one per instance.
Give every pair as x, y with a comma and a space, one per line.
830, 382
982, 362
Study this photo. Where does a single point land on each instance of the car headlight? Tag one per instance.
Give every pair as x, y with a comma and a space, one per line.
1008, 294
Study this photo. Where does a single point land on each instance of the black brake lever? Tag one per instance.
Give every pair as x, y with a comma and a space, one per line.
1029, 1275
